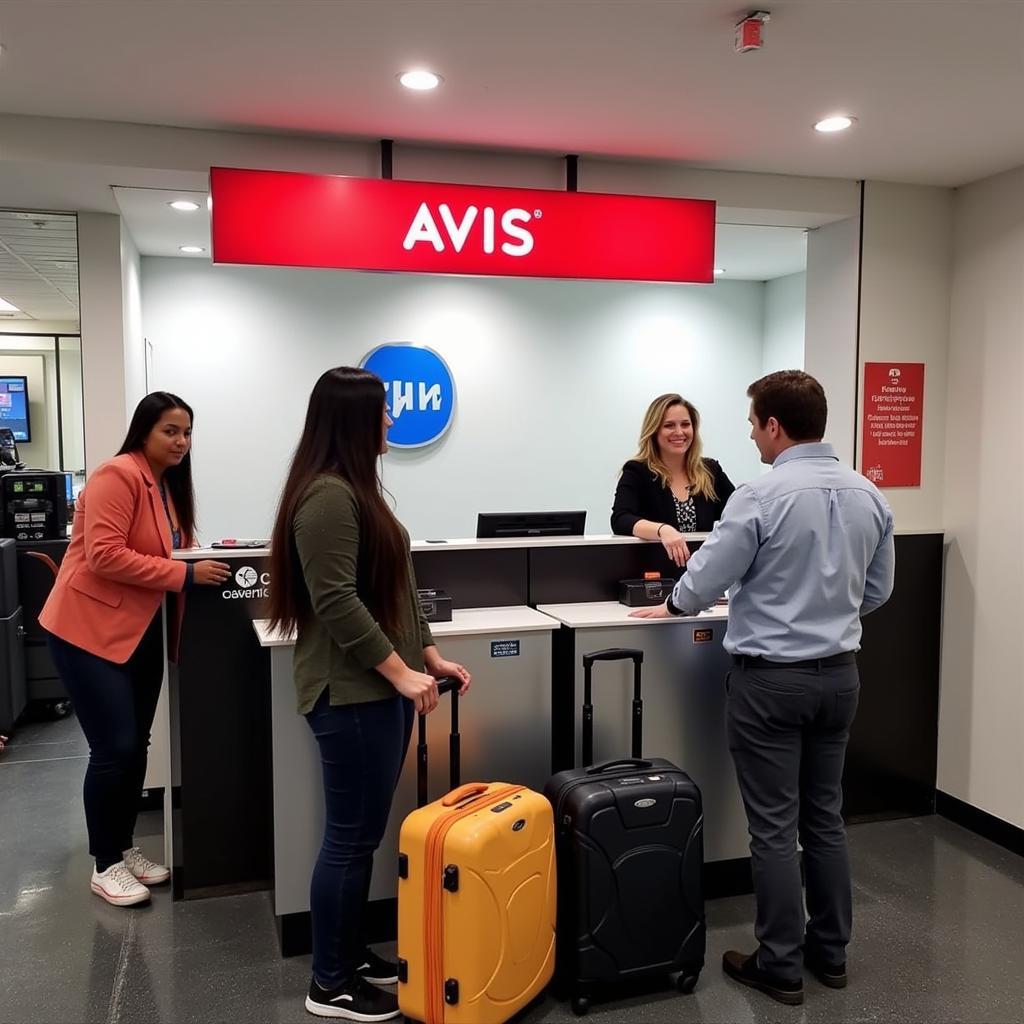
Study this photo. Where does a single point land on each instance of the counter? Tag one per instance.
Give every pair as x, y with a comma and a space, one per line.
225, 709
684, 711
505, 725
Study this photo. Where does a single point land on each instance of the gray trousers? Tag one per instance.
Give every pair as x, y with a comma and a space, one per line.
788, 729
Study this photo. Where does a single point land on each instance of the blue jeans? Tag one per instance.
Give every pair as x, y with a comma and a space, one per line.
114, 705
362, 747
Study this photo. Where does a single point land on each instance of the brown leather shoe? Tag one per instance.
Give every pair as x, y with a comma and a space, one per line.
743, 968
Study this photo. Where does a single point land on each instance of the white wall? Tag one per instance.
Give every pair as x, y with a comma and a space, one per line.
72, 408
904, 317
981, 722
784, 319
552, 380
131, 315
101, 307
830, 339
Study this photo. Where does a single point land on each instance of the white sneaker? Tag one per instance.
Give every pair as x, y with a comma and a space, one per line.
145, 870
117, 885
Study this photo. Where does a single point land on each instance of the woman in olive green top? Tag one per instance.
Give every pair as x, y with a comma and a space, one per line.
365, 663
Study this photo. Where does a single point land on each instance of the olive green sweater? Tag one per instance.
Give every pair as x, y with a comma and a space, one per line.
338, 647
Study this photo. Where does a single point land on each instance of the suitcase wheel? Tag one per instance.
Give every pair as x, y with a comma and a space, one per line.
580, 1005
686, 982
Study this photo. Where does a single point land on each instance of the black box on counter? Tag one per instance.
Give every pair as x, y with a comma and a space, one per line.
640, 593
436, 605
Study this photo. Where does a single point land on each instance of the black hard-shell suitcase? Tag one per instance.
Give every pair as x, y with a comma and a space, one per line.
630, 854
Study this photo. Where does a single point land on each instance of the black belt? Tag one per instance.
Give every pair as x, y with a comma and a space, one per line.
750, 661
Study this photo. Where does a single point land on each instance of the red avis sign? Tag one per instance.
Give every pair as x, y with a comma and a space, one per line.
276, 218
892, 423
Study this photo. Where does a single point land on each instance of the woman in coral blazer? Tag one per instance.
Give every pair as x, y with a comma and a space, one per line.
103, 617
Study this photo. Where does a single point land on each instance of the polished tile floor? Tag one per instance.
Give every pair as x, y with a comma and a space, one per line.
939, 929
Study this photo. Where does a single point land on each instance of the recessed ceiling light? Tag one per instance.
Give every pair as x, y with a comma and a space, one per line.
719, 270
191, 249
184, 205
421, 81
6, 307
835, 123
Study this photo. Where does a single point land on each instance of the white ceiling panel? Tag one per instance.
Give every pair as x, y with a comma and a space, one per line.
39, 265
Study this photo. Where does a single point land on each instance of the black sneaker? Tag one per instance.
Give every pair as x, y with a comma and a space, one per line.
744, 969
357, 1000
376, 969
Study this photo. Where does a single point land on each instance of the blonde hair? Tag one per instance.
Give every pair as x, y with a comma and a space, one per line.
701, 480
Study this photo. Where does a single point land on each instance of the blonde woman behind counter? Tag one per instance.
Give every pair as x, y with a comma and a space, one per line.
668, 488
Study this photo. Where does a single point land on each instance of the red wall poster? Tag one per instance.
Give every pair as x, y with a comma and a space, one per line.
893, 413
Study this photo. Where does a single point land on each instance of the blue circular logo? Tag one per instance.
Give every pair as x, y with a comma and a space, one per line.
420, 392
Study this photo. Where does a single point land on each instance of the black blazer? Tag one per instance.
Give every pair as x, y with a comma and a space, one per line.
641, 495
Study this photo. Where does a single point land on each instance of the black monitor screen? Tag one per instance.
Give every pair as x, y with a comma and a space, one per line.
14, 407
530, 524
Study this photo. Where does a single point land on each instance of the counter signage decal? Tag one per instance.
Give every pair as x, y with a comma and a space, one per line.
703, 636
892, 421
420, 392
276, 218
249, 583
504, 648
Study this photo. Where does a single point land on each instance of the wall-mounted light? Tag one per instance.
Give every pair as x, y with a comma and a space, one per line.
420, 81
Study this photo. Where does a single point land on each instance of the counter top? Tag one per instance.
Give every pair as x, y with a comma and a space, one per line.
456, 544
465, 622
611, 613
487, 543
482, 544
220, 554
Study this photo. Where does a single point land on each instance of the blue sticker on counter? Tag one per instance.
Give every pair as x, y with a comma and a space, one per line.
420, 392
504, 648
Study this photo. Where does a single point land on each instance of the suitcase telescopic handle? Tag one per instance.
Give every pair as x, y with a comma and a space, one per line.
614, 654
611, 654
445, 684
621, 762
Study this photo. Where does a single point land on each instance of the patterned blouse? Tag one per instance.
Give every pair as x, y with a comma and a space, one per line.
686, 515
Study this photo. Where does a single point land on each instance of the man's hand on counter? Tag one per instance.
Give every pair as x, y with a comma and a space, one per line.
656, 611
438, 667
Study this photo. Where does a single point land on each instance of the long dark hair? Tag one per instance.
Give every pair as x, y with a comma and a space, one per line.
342, 435
178, 479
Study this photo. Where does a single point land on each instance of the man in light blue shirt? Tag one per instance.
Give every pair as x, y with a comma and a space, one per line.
807, 550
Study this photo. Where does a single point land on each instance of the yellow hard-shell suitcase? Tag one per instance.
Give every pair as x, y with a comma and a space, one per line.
476, 900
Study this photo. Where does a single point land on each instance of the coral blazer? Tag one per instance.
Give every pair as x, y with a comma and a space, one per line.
117, 567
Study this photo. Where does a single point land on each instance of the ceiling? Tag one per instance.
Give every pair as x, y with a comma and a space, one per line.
936, 84
39, 266
745, 252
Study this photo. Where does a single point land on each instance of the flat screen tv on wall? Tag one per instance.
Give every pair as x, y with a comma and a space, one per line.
14, 406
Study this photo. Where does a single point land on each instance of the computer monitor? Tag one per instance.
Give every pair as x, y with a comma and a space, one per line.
14, 407
530, 524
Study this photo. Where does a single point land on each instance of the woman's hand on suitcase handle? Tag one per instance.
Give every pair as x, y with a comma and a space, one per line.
438, 666
420, 688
